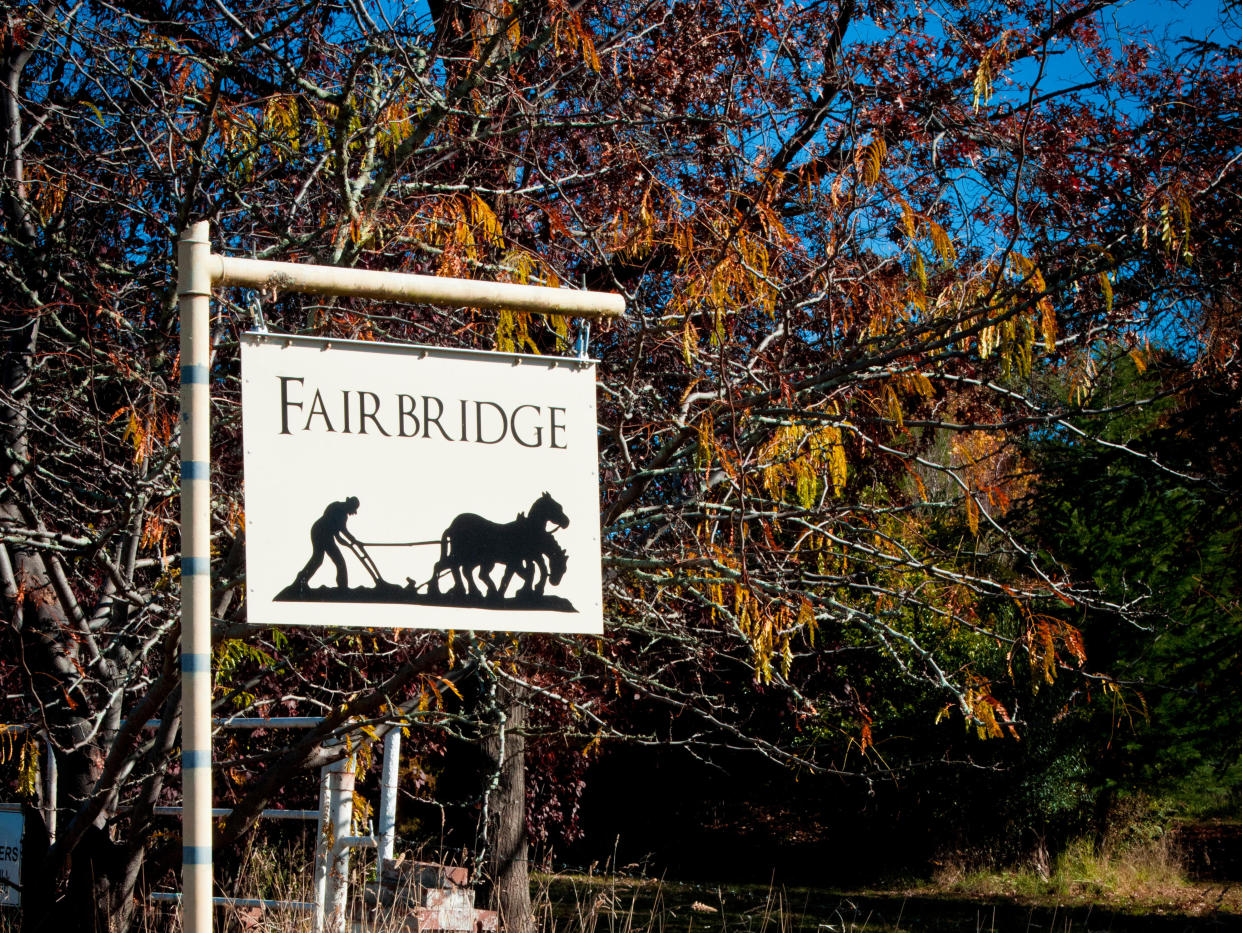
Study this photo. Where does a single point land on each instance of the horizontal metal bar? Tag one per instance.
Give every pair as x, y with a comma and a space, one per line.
410, 288
357, 842
275, 722
175, 897
258, 722
265, 814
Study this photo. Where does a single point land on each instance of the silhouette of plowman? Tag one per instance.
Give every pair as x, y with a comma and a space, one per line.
327, 530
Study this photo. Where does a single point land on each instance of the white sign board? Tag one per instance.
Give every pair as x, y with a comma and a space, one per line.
414, 487
11, 823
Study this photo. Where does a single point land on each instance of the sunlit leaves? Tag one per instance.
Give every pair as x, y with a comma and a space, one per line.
869, 159
804, 461
990, 64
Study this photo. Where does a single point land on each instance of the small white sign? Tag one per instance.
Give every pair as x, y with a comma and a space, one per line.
11, 826
391, 485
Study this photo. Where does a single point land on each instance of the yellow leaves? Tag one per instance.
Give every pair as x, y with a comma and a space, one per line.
1031, 279
989, 66
485, 222
893, 404
27, 753
869, 159
1175, 225
1082, 384
513, 327
1012, 313
280, 121
144, 433
972, 514
1106, 289
916, 383
28, 766
506, 327
136, 433
803, 460
806, 621
940, 241
909, 220
982, 83
985, 712
769, 626
721, 286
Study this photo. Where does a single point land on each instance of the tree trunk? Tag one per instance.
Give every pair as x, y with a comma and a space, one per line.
508, 863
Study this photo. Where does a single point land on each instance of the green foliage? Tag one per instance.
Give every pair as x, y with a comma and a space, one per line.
1149, 519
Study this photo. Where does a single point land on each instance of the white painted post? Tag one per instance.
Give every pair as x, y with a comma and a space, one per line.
388, 799
336, 817
322, 850
194, 294
51, 779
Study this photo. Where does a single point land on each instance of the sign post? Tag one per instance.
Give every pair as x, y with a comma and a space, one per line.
529, 554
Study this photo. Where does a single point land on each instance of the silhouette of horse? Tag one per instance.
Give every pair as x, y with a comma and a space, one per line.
551, 572
472, 541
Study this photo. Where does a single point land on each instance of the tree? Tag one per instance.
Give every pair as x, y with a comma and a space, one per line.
856, 237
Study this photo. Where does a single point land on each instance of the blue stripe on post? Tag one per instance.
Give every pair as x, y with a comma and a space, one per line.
196, 664
196, 855
195, 758
195, 469
194, 375
195, 566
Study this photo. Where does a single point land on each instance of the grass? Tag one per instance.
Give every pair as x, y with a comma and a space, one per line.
1122, 884
1121, 872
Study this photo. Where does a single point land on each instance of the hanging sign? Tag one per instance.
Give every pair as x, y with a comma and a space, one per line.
415, 487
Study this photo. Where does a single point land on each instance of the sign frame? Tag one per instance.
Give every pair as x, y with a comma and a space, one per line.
198, 272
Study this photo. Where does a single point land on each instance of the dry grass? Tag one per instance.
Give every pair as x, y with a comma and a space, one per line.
1124, 870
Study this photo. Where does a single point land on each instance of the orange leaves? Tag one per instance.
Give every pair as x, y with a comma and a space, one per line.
569, 34
1050, 644
982, 710
991, 467
988, 714
47, 191
869, 159
463, 228
144, 433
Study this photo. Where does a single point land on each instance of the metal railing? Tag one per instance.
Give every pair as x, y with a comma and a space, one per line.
334, 820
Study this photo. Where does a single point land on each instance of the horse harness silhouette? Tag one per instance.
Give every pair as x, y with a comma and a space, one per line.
473, 542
